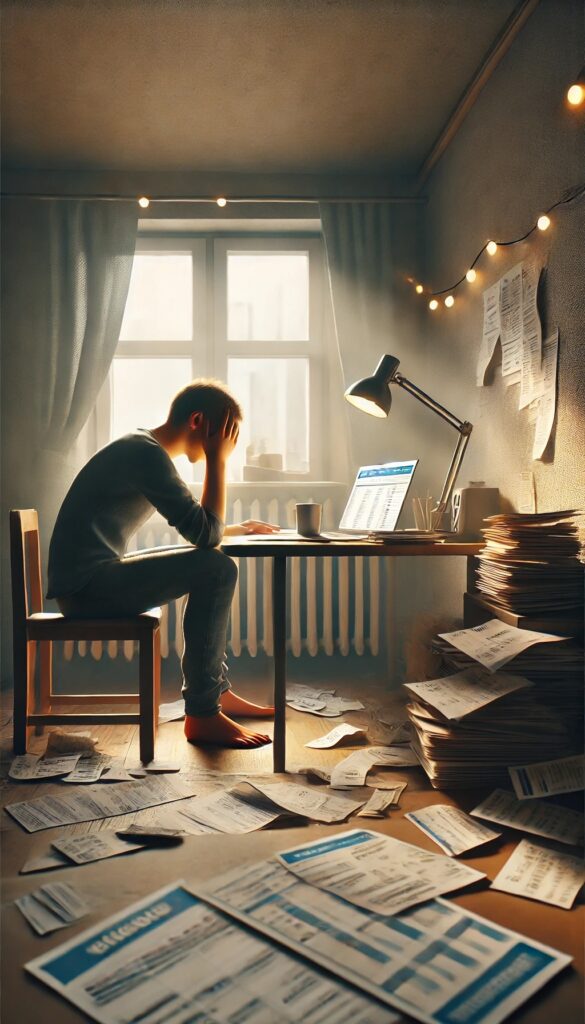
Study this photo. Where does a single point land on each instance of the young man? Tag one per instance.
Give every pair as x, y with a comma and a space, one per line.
114, 494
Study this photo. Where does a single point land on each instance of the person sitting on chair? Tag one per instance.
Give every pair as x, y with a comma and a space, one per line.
90, 575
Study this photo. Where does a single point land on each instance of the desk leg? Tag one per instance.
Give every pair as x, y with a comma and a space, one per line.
279, 640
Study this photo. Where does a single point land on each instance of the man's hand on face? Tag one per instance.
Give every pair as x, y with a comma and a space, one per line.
219, 445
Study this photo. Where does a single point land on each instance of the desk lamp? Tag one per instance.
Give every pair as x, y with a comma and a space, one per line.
372, 395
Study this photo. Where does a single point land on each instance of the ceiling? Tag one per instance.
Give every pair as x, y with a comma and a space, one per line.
303, 86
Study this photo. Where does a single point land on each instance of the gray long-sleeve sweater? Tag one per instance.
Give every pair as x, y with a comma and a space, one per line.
112, 496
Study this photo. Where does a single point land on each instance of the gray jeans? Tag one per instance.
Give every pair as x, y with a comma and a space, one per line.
144, 579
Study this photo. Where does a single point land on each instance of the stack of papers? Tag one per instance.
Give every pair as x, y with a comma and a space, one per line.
530, 563
470, 727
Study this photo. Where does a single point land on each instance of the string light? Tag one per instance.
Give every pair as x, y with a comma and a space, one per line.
144, 202
419, 289
221, 201
470, 275
576, 94
433, 304
491, 248
543, 222
449, 301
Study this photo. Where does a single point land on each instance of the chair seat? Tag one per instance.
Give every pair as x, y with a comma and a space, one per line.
54, 626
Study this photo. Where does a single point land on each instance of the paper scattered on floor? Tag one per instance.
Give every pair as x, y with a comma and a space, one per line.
60, 742
352, 771
240, 976
438, 962
548, 778
51, 907
320, 702
47, 861
451, 829
381, 800
317, 804
337, 735
89, 769
377, 872
394, 732
231, 812
493, 644
461, 694
93, 846
150, 833
319, 774
541, 819
173, 712
541, 874
155, 768
27, 767
117, 772
95, 802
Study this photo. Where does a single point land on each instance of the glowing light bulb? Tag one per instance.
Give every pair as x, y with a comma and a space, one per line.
543, 222
419, 289
144, 202
449, 301
576, 95
433, 304
222, 201
492, 248
471, 275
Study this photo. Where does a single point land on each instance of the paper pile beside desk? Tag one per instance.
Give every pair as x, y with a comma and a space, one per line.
471, 726
530, 563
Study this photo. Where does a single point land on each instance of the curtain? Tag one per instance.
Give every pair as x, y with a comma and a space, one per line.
66, 268
358, 242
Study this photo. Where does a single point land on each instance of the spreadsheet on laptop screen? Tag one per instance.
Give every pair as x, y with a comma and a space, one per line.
378, 494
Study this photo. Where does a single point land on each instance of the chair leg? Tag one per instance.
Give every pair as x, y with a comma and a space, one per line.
24, 677
157, 676
146, 687
46, 681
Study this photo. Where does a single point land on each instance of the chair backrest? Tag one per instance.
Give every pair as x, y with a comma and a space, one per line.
25, 563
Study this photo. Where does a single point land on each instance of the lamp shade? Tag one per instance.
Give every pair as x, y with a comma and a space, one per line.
371, 395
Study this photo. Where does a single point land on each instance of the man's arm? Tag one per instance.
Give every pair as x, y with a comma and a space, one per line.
218, 447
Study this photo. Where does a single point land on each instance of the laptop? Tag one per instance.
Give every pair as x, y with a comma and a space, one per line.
373, 507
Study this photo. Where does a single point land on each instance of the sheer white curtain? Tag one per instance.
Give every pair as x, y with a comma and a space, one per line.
66, 268
359, 246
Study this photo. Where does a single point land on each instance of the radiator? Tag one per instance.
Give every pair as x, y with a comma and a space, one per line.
334, 604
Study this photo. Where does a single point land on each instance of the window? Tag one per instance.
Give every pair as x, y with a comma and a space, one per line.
247, 310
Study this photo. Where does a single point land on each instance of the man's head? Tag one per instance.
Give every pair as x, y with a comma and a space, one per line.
199, 408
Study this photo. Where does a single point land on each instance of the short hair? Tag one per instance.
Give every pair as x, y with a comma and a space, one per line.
206, 395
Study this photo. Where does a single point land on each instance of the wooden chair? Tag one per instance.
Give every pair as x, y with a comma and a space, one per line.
32, 627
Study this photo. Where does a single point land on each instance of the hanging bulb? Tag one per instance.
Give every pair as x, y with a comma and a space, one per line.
433, 304
492, 248
419, 289
576, 94
449, 301
543, 222
221, 201
144, 202
471, 275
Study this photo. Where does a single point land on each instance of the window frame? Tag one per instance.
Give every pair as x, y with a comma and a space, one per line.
209, 348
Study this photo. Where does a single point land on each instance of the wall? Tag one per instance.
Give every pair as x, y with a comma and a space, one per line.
516, 153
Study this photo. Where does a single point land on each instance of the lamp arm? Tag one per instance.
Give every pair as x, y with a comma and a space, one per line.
460, 425
464, 429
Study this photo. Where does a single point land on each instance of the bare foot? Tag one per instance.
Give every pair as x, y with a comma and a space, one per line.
219, 731
232, 704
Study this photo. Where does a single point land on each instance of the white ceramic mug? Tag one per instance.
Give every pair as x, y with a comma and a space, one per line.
309, 518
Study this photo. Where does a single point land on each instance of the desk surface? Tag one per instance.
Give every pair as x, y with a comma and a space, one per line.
253, 546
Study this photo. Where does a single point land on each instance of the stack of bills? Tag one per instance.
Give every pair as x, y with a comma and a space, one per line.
530, 563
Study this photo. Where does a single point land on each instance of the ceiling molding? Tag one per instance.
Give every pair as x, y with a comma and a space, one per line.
495, 54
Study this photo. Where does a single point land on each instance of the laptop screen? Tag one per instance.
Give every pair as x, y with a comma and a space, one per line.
378, 494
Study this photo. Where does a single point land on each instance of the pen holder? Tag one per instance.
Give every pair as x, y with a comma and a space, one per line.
428, 516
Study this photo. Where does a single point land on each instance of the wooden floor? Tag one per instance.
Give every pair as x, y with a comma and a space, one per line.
111, 885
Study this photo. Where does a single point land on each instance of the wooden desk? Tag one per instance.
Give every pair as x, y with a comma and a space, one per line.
279, 551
